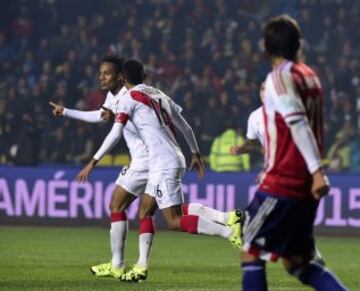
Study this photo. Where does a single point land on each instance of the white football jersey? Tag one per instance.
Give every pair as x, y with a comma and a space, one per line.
256, 125
138, 150
151, 111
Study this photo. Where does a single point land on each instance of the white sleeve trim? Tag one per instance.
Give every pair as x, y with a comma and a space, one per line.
110, 141
87, 116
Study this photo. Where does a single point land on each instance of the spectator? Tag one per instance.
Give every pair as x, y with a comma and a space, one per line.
220, 158
200, 50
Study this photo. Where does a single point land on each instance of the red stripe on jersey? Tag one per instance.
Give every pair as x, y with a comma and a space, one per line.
141, 97
148, 101
267, 138
122, 118
279, 83
276, 83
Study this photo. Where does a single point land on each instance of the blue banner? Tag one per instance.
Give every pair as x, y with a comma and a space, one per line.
51, 196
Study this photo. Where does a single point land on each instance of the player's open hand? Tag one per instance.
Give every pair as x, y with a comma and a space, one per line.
57, 110
85, 172
320, 185
234, 150
197, 164
107, 114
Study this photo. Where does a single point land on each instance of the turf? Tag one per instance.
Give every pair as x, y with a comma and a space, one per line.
59, 258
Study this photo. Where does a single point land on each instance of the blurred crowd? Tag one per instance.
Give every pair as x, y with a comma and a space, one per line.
205, 54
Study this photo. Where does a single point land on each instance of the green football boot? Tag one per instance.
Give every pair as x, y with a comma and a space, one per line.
107, 270
135, 275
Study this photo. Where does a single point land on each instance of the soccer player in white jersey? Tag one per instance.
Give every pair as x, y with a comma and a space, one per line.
155, 116
131, 182
255, 131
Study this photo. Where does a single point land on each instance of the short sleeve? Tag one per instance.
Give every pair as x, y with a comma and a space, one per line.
251, 127
287, 101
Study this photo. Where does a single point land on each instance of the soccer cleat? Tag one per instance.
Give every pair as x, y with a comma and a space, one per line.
236, 237
235, 216
135, 275
107, 270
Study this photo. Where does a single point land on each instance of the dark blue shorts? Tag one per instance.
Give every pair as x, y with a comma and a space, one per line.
278, 227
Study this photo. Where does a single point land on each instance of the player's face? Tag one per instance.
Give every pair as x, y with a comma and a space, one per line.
109, 79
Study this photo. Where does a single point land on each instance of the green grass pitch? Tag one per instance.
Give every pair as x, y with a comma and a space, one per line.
59, 259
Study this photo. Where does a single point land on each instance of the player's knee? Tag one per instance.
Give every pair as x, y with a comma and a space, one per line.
116, 206
146, 210
112, 207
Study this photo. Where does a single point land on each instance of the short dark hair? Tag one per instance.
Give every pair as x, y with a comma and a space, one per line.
133, 71
116, 60
282, 37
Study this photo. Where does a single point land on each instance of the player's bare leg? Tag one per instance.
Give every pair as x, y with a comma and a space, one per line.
310, 272
197, 225
139, 271
253, 272
226, 218
120, 201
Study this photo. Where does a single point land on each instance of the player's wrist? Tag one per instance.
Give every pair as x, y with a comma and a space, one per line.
196, 155
319, 172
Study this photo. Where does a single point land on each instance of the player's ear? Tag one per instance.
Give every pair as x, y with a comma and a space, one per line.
120, 78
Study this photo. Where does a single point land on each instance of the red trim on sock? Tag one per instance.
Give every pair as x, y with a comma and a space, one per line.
189, 223
185, 209
147, 225
118, 216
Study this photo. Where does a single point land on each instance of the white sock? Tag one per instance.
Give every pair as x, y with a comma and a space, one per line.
208, 213
146, 235
145, 242
211, 228
118, 233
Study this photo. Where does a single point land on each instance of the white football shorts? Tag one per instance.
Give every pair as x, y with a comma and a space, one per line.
134, 181
166, 185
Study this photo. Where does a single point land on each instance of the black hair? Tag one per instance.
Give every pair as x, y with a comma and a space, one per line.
133, 72
282, 37
116, 60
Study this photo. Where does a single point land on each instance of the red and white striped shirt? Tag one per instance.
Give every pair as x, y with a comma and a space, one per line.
292, 93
